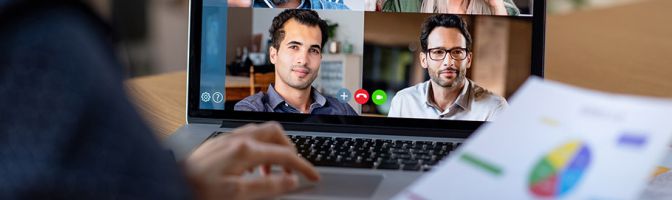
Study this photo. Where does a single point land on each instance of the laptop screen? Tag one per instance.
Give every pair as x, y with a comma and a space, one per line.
404, 59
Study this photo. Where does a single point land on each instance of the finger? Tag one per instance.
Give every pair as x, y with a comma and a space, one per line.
270, 154
267, 186
221, 155
269, 132
239, 154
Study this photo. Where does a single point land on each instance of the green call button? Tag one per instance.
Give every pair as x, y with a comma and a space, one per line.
379, 97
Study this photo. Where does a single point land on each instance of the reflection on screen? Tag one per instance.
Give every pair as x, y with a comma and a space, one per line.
423, 59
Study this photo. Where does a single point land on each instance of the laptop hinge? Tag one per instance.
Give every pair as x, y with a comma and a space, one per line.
357, 129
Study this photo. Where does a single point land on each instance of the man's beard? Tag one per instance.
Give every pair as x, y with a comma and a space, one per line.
456, 82
278, 2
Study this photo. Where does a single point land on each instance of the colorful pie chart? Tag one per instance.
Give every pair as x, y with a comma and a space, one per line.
558, 172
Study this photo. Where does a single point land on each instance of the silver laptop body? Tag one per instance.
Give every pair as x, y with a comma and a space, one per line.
338, 182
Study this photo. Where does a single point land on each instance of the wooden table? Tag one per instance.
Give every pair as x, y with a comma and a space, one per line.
625, 49
161, 98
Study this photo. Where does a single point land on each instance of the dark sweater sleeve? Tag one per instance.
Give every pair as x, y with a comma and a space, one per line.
67, 130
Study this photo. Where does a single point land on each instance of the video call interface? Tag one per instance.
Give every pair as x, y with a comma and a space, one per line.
426, 59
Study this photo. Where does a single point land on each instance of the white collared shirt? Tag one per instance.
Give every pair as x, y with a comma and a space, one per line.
473, 104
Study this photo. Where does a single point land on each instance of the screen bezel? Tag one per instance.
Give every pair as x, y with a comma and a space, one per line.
349, 124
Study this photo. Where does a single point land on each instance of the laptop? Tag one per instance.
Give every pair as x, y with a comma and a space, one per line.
388, 94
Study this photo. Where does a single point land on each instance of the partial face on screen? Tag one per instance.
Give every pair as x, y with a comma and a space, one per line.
297, 60
446, 65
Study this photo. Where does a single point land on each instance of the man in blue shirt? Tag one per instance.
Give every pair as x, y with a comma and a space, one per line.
302, 4
297, 37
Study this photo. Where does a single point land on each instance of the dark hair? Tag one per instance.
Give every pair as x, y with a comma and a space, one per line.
303, 16
443, 20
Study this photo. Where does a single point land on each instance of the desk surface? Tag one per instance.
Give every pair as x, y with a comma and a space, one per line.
161, 100
621, 49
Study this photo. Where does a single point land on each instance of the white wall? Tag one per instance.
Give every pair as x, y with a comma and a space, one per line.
167, 35
350, 25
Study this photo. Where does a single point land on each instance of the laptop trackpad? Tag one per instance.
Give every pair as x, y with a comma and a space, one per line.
341, 185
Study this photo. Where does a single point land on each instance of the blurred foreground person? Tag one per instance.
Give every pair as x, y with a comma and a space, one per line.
68, 131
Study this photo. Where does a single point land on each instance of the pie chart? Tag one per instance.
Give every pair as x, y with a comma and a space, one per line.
559, 171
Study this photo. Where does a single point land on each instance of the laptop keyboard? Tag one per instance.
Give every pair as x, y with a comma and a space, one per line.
371, 153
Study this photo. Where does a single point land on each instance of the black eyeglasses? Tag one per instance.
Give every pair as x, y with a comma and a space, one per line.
438, 54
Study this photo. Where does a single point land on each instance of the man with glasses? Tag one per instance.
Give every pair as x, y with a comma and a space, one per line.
446, 54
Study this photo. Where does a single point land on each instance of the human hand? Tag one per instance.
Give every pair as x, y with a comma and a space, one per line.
216, 168
240, 3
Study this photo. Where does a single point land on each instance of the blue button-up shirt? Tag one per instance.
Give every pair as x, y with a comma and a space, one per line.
271, 101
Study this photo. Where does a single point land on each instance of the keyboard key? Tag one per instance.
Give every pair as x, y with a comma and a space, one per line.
367, 165
411, 167
419, 152
388, 166
399, 151
426, 168
404, 156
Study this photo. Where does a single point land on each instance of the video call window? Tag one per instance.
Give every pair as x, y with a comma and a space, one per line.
374, 58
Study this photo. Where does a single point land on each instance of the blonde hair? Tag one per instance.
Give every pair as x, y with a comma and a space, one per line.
473, 7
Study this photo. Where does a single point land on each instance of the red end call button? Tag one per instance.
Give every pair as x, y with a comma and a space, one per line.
361, 96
